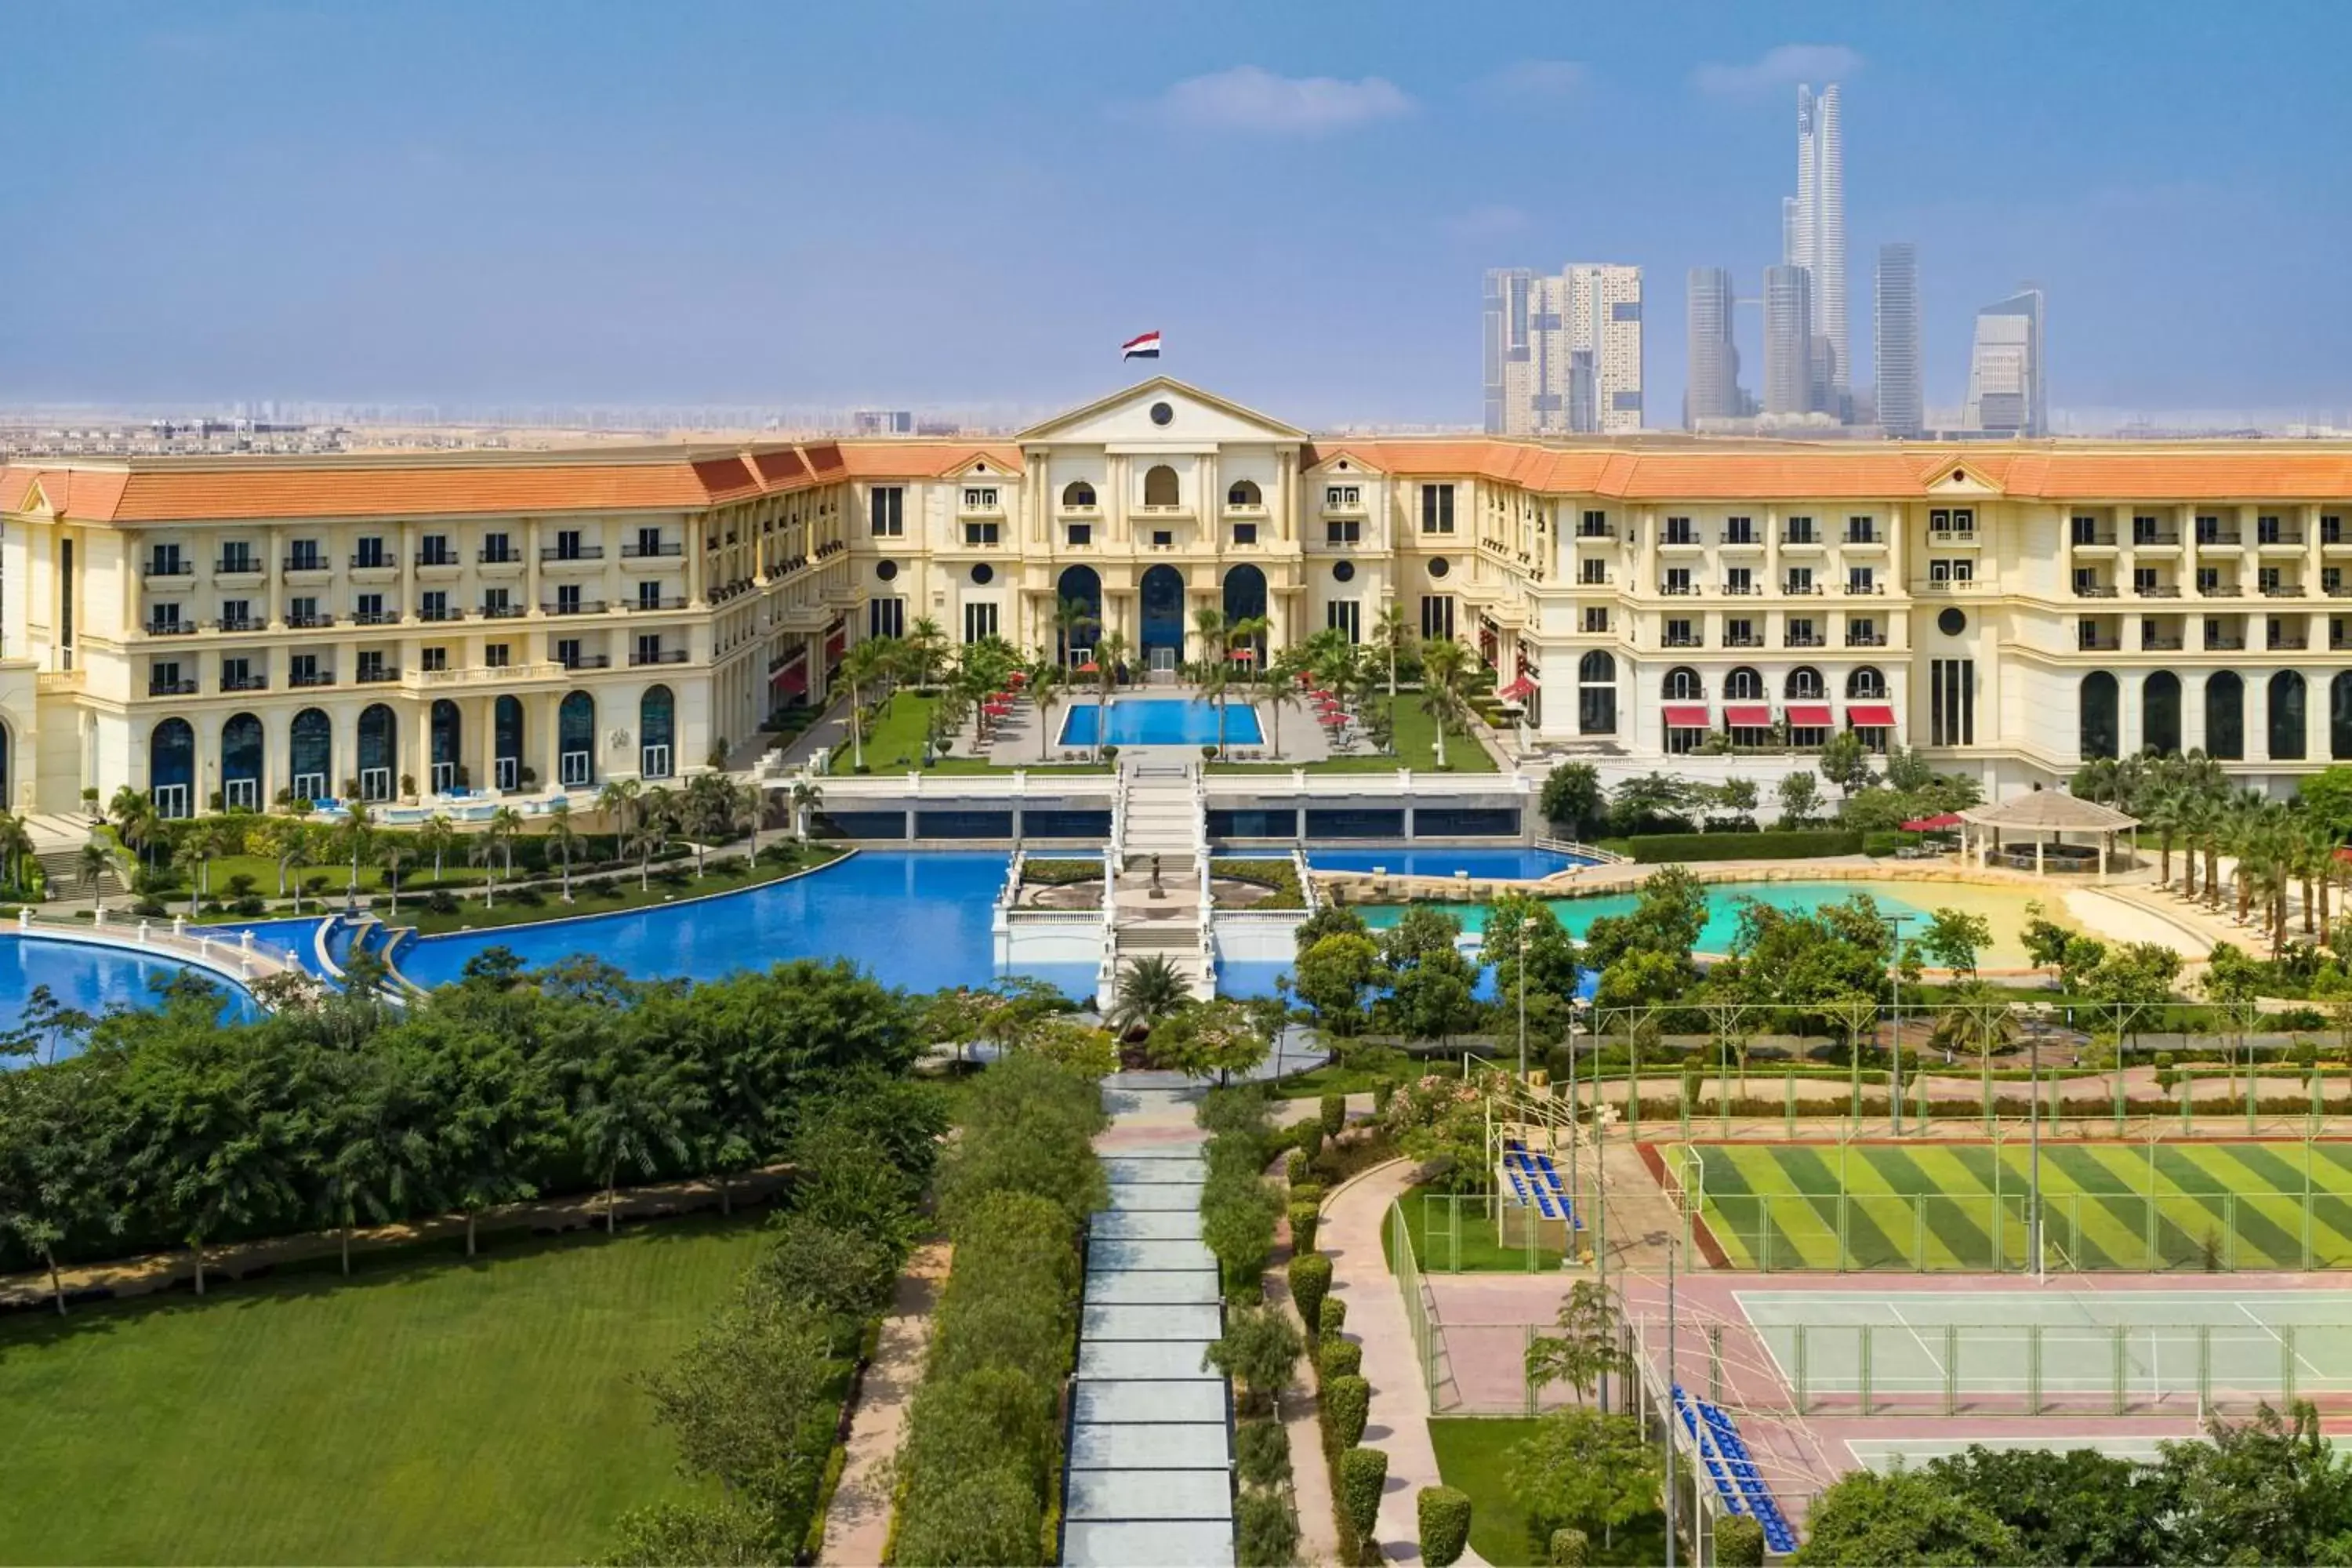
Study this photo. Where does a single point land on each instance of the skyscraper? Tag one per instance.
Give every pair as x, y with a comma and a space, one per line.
2007, 392
1712, 381
1902, 403
1789, 358
1563, 354
1813, 235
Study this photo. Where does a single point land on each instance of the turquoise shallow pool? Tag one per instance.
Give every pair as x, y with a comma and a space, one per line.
1480, 860
912, 919
1722, 907
1160, 722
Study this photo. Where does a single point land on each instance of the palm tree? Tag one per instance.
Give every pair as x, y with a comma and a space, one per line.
505, 826
1391, 636
1210, 625
436, 838
358, 833
865, 662
484, 852
1108, 650
618, 804
656, 812
1282, 672
293, 854
751, 811
15, 848
92, 868
393, 855
134, 819
1440, 687
563, 835
1150, 989
1072, 616
926, 644
1045, 675
808, 796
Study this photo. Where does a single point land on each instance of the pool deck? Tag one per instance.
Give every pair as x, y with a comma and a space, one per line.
1014, 742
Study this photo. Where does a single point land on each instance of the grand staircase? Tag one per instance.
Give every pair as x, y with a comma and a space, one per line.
1162, 823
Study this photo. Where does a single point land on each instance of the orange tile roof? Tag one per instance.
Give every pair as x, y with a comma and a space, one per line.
920, 459
2184, 476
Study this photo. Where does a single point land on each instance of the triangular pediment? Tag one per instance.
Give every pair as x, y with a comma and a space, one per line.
1192, 417
1960, 478
36, 500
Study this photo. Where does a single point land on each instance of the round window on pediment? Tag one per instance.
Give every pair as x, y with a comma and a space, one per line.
887, 571
1162, 414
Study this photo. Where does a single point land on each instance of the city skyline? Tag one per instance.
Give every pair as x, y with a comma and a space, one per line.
420, 204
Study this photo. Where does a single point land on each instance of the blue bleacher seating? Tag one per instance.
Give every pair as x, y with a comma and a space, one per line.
1732, 1469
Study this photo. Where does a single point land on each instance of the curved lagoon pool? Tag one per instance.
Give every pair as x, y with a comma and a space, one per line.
918, 919
95, 979
1159, 722
1480, 860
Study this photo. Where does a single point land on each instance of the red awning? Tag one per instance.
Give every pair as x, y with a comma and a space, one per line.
1804, 716
1245, 655
1686, 716
1936, 824
1870, 715
1518, 690
1748, 715
1090, 668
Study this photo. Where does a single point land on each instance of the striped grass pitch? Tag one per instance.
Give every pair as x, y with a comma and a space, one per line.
1962, 1206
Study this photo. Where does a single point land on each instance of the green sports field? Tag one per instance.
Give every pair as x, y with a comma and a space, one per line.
428, 1410
2136, 1207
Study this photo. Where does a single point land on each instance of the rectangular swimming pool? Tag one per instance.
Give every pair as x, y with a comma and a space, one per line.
1160, 722
1446, 859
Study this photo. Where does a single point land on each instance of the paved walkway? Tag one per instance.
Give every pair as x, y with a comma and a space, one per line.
1150, 1462
1353, 1218
857, 1525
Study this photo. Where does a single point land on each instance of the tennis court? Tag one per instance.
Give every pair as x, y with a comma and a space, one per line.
2113, 1352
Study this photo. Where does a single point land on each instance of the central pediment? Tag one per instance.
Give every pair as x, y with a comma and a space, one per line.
1161, 411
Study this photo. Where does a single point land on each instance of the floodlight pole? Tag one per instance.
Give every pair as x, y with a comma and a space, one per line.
1526, 926
2033, 1165
1894, 985
1672, 1413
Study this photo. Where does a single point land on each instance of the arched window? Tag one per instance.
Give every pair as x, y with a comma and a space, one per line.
1743, 685
2286, 726
2159, 712
1683, 685
1865, 683
1596, 694
505, 741
171, 767
311, 755
447, 732
576, 741
1244, 493
1159, 485
1805, 684
241, 762
2225, 716
1077, 492
4, 795
2339, 717
2098, 735
1079, 587
1245, 600
1160, 596
656, 733
379, 752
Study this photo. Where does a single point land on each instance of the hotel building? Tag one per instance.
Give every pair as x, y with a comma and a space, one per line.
207, 628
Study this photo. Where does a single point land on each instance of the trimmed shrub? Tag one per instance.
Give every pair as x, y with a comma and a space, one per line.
1738, 1543
1266, 1530
1799, 844
1332, 1318
1333, 1114
1294, 1167
1259, 1351
1444, 1513
1347, 1405
1362, 1473
1261, 1451
1307, 1192
1569, 1549
1382, 1092
1311, 1141
1305, 1219
1339, 1358
1310, 1284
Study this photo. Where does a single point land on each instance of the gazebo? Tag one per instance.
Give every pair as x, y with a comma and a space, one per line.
2049, 815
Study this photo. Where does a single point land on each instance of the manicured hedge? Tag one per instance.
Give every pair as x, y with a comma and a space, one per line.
1444, 1513
1807, 843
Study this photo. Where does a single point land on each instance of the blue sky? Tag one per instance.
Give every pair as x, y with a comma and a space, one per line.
958, 203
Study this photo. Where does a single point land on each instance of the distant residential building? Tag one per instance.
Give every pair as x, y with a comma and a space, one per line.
1712, 383
1563, 354
2008, 392
1902, 402
882, 422
1813, 235
1789, 358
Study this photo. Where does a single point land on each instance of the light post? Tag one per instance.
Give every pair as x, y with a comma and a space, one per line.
1674, 1415
2033, 1159
1894, 986
1526, 926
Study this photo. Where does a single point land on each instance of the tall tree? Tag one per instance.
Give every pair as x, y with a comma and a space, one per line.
60, 1179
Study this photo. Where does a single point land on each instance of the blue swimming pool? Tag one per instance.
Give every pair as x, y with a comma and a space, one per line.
1722, 907
1161, 722
92, 979
916, 920
1447, 860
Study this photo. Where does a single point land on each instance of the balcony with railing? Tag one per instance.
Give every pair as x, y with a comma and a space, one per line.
178, 685
500, 612
441, 613
2220, 536
241, 624
2284, 588
2156, 588
306, 566
2285, 536
375, 617
373, 568
661, 602
665, 552
1679, 590
238, 567
376, 674
1682, 639
1857, 638
2156, 536
658, 655
1804, 639
311, 678
1798, 587
156, 629
1861, 590
2092, 588
167, 569
2223, 639
1743, 639
2098, 639
245, 683
588, 662
576, 608
2286, 639
568, 554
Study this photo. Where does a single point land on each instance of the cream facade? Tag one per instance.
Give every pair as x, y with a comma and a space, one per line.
401, 626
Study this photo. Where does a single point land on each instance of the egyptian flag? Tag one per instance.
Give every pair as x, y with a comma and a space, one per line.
1145, 347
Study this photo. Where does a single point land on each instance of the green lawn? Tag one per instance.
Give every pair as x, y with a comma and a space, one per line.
1416, 748
671, 883
1475, 1456
897, 745
1453, 1234
429, 1410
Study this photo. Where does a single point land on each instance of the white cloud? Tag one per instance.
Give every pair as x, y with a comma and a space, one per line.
1531, 81
1248, 98
1782, 66
1495, 220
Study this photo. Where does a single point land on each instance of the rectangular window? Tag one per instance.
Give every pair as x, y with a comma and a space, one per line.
433, 658
650, 595
1861, 530
887, 511
496, 549
567, 545
1800, 531
981, 499
1800, 632
885, 619
2267, 531
1244, 533
1858, 579
1595, 525
371, 665
1679, 635
980, 535
1740, 531
433, 604
432, 550
1082, 534
1593, 574
1351, 533
2208, 579
1740, 579
163, 677
1342, 495
497, 602
1680, 531
237, 555
236, 675
1437, 508
2084, 529
1596, 617
369, 551
496, 655
163, 561
1437, 616
979, 622
1801, 580
567, 652
1345, 615
649, 542
1163, 539
649, 648
302, 610
1862, 632
302, 669
1956, 571
567, 599
1951, 702
1678, 580
303, 555
368, 611
1740, 634
237, 614
2142, 579
2267, 579
2331, 528
2142, 529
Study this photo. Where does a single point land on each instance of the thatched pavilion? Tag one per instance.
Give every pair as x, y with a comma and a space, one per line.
2043, 817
